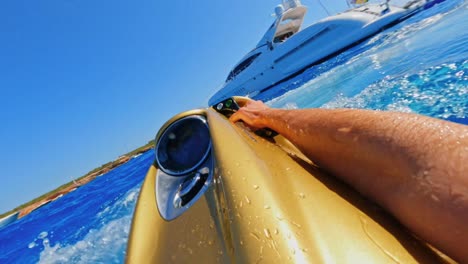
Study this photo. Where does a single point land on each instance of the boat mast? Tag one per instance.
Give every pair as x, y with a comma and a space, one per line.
324, 8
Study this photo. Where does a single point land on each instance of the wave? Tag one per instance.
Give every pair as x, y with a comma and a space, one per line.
105, 244
440, 91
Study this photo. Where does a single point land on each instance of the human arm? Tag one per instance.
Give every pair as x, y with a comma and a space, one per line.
414, 166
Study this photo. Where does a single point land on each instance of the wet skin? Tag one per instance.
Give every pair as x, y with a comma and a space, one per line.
414, 166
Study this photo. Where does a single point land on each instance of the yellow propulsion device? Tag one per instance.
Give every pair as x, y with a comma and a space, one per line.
219, 193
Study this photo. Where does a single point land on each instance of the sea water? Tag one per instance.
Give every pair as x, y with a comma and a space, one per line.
88, 225
420, 66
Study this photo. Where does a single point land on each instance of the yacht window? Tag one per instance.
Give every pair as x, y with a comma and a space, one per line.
242, 66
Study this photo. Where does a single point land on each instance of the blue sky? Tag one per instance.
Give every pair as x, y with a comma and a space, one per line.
83, 81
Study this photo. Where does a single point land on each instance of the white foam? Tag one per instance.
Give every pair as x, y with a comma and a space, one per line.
438, 91
105, 244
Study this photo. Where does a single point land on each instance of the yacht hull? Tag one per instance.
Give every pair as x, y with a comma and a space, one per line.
310, 46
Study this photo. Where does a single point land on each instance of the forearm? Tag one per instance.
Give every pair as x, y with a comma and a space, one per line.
414, 166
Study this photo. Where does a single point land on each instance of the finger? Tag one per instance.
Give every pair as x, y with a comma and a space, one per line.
235, 117
244, 119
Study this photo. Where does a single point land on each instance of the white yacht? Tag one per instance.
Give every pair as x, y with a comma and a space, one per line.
286, 50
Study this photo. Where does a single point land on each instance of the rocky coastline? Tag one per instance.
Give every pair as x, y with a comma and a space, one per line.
75, 184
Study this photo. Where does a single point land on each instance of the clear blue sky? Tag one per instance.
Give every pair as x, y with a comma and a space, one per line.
83, 81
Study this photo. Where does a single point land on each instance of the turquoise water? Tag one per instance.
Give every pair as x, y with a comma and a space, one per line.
418, 66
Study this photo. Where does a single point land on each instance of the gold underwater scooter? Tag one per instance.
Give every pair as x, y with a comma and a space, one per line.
219, 193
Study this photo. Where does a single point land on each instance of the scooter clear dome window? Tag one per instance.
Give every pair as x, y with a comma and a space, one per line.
183, 146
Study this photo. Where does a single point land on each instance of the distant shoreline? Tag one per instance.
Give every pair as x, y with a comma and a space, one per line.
62, 190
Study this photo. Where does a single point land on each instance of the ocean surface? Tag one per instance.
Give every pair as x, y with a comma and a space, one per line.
420, 65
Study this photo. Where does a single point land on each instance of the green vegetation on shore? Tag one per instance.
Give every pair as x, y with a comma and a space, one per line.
111, 164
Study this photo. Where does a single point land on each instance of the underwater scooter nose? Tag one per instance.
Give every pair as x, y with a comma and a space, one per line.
183, 156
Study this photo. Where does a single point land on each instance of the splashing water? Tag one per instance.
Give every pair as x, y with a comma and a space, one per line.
405, 68
88, 225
